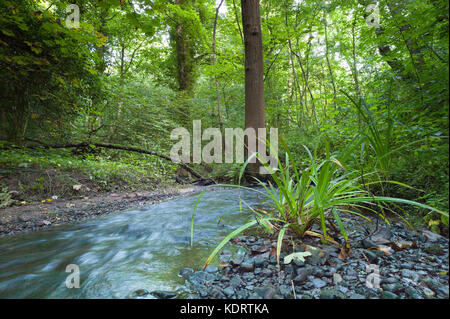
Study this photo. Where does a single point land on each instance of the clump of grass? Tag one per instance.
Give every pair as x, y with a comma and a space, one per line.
300, 198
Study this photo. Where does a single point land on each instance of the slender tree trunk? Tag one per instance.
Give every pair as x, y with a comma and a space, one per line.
355, 68
219, 113
237, 21
328, 61
254, 71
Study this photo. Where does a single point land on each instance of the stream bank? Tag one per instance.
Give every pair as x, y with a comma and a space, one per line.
406, 264
33, 217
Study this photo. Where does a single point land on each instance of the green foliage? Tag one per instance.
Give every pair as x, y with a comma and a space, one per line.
316, 194
133, 72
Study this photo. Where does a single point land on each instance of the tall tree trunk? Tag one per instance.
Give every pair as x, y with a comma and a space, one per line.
184, 67
254, 71
219, 113
328, 60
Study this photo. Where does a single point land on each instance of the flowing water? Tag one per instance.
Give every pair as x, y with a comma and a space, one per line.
141, 248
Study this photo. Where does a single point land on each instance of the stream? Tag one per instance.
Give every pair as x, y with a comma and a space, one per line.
119, 253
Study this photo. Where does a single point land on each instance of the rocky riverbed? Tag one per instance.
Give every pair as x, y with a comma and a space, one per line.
391, 262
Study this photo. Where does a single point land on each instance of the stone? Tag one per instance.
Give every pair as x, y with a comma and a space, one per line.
298, 263
412, 293
259, 262
371, 256
302, 275
163, 294
433, 249
229, 291
139, 293
392, 287
388, 295
186, 272
212, 269
246, 266
353, 295
410, 274
238, 260
200, 278
266, 292
235, 282
318, 283
286, 291
337, 279
331, 294
242, 294
428, 292
367, 243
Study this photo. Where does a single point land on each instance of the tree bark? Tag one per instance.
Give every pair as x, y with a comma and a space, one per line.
254, 72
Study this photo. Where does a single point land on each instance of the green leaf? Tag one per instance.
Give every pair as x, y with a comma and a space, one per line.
300, 256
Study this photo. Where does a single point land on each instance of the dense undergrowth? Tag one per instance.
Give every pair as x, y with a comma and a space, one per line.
40, 174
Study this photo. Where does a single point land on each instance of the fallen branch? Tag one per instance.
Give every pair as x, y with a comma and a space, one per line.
115, 147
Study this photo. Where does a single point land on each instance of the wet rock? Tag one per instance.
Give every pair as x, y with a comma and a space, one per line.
392, 287
389, 280
410, 274
267, 292
242, 294
353, 295
259, 261
413, 293
216, 293
212, 269
139, 293
428, 293
298, 263
337, 279
246, 266
318, 283
302, 275
443, 291
342, 289
407, 265
286, 291
388, 295
433, 249
200, 278
163, 294
367, 243
238, 260
228, 291
331, 294
235, 282
372, 256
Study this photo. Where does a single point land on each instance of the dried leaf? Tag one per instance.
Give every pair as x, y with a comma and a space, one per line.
403, 244
328, 239
385, 249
